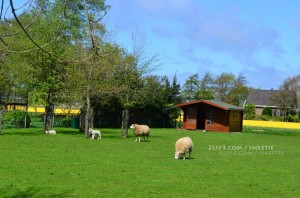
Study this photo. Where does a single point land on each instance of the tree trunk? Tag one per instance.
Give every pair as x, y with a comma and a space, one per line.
1, 115
49, 112
82, 120
125, 119
89, 115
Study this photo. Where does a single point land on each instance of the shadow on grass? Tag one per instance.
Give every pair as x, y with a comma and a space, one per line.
29, 192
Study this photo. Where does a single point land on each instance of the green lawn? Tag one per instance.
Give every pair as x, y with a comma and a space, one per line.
34, 164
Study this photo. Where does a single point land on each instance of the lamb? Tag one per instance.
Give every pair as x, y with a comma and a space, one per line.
140, 130
95, 132
182, 146
50, 132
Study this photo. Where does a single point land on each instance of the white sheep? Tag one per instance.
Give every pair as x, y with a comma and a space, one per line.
182, 146
51, 132
95, 132
140, 130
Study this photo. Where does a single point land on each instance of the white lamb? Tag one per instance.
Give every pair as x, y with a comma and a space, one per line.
95, 132
51, 132
140, 130
182, 146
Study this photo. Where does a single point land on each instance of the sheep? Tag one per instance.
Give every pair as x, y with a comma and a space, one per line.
95, 132
183, 145
140, 130
50, 132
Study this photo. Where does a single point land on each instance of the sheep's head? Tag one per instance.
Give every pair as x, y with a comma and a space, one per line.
90, 130
178, 155
132, 126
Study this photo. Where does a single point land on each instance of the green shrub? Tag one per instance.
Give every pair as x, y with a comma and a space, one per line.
16, 119
62, 121
262, 117
267, 111
250, 111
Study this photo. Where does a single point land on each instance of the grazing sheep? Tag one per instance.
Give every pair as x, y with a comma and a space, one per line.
140, 130
95, 132
51, 132
182, 146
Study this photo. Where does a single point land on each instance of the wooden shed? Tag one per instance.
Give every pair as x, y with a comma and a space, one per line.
212, 115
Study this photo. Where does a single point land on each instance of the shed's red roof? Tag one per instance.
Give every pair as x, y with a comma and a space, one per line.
219, 104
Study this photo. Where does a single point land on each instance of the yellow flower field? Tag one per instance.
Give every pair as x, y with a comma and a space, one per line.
259, 123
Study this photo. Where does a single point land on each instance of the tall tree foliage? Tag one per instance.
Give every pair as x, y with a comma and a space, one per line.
223, 84
286, 100
190, 88
206, 87
225, 87
49, 32
293, 84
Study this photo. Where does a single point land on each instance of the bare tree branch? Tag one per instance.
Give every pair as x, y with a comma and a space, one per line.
1, 11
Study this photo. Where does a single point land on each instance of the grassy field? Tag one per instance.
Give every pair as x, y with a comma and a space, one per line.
34, 164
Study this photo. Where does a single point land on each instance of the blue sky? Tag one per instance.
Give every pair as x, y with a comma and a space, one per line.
259, 39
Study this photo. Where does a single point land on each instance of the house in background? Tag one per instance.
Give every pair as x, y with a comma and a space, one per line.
212, 115
262, 98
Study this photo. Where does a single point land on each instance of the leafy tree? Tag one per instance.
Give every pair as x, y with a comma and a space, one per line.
190, 88
88, 80
239, 91
206, 87
286, 100
223, 85
175, 91
137, 66
51, 34
250, 111
171, 98
293, 84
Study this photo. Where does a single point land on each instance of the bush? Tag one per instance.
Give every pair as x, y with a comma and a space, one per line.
62, 122
16, 119
267, 111
37, 120
262, 117
250, 111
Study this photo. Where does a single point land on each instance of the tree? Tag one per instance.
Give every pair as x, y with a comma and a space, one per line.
293, 84
206, 87
190, 88
129, 78
250, 111
54, 32
286, 100
6, 85
239, 91
137, 66
175, 91
223, 85
47, 73
88, 80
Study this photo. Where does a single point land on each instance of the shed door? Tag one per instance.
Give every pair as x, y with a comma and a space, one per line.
191, 121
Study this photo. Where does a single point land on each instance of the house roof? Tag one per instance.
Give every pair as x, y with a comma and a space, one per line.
261, 97
219, 104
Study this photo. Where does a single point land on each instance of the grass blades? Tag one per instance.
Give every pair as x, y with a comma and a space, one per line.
67, 164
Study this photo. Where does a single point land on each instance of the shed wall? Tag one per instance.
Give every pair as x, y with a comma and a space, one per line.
221, 120
235, 121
